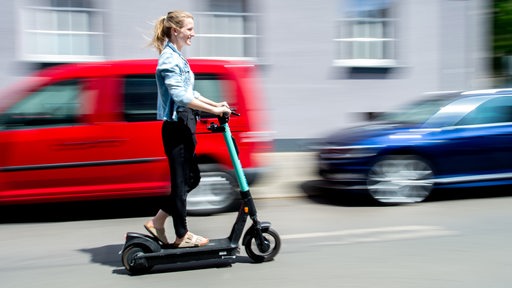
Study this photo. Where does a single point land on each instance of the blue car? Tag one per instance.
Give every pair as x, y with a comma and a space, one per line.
452, 140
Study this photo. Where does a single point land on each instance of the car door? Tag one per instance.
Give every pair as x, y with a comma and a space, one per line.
146, 165
491, 123
481, 142
51, 149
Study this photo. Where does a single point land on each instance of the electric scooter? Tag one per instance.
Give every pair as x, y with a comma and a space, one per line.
142, 252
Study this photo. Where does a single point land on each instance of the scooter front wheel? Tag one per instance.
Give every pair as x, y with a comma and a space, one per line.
253, 250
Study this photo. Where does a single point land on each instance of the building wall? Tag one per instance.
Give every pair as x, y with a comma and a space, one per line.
9, 68
443, 45
440, 48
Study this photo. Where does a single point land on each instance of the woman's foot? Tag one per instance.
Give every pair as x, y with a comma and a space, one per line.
159, 233
191, 240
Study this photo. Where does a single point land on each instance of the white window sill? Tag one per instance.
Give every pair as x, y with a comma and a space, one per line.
366, 63
61, 58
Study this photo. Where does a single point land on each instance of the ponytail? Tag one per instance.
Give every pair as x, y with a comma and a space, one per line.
159, 36
164, 25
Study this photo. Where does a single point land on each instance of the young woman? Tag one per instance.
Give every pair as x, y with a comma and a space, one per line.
176, 102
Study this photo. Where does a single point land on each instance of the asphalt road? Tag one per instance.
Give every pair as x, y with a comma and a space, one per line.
327, 242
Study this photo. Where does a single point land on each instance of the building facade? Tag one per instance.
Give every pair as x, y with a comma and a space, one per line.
323, 64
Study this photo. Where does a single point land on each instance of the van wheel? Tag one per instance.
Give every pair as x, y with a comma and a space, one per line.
216, 193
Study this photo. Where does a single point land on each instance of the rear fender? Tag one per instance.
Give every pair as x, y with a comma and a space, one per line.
146, 242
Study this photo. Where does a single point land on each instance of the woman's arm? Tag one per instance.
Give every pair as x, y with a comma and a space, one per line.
214, 108
210, 102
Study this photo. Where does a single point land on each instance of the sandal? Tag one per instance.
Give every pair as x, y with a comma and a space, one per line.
158, 233
191, 240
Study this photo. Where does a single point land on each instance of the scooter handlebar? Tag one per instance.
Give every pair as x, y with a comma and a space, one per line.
225, 117
222, 120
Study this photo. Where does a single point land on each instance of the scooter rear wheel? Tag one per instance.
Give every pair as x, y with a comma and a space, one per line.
135, 266
253, 251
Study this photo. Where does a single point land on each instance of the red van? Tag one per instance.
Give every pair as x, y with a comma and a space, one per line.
89, 131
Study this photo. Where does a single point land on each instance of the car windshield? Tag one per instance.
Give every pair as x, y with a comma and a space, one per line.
416, 113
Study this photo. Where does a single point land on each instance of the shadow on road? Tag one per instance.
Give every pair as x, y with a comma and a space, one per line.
78, 211
109, 256
470, 193
319, 192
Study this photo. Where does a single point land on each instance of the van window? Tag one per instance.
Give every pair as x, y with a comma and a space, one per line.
140, 95
209, 86
56, 104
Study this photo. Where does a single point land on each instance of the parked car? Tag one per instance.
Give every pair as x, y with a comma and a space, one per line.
89, 131
452, 140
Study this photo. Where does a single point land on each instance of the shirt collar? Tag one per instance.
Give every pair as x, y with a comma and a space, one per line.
173, 48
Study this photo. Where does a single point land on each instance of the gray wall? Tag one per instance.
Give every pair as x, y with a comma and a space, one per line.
9, 68
440, 48
443, 45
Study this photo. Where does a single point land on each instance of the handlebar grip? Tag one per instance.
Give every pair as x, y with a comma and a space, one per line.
232, 113
225, 117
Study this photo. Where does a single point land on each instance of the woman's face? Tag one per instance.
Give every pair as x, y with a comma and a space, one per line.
185, 34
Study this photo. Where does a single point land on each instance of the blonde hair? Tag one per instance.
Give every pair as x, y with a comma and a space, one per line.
164, 25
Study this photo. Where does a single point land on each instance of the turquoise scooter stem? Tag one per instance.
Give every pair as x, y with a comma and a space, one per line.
240, 176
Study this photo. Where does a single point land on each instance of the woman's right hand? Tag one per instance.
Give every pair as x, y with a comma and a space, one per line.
222, 111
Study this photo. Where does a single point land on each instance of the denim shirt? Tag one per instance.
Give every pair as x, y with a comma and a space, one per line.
175, 82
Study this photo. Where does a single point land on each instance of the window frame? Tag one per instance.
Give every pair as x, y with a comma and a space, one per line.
364, 31
93, 36
202, 47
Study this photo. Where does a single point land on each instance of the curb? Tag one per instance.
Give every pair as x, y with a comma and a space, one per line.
285, 172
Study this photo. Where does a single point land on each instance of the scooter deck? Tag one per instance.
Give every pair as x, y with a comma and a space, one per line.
215, 249
214, 244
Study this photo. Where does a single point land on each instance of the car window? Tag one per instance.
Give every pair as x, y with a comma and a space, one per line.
415, 113
55, 104
495, 110
211, 87
140, 95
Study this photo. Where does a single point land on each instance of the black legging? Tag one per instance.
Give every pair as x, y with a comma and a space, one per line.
179, 144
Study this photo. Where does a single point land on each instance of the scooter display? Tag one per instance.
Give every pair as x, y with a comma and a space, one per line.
142, 252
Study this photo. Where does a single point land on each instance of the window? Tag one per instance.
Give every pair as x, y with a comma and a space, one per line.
497, 110
140, 94
366, 34
61, 31
210, 87
56, 104
226, 30
213, 88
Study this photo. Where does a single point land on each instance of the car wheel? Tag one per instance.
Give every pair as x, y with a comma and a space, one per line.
400, 179
215, 193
